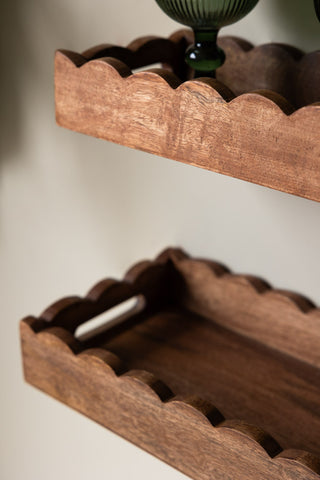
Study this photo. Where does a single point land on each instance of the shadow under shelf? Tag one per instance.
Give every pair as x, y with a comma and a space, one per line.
259, 121
203, 366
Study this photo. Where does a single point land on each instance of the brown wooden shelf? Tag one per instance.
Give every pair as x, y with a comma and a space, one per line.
259, 121
216, 374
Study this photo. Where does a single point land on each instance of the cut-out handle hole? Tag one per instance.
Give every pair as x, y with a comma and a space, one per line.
110, 318
150, 66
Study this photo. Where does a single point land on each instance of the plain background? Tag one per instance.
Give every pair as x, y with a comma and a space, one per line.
75, 209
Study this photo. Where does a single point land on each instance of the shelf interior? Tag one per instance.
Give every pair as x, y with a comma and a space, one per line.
278, 68
245, 380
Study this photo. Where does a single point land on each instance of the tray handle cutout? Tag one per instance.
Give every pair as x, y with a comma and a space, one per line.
110, 318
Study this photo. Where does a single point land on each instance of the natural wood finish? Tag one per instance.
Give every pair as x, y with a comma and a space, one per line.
275, 67
209, 356
257, 121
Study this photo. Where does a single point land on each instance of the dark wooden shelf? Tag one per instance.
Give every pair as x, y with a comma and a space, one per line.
216, 374
259, 121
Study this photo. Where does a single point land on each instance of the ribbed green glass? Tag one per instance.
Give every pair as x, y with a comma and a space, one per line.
212, 14
206, 17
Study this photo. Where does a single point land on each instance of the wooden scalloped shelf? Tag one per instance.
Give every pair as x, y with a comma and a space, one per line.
259, 121
196, 374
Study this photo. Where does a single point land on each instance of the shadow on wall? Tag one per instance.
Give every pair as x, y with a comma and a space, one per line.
14, 50
29, 33
297, 18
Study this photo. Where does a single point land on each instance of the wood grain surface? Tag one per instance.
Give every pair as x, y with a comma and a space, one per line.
258, 121
209, 376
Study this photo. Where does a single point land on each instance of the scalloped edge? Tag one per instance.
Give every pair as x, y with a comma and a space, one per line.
258, 285
146, 278
268, 98
138, 46
136, 273
194, 407
257, 136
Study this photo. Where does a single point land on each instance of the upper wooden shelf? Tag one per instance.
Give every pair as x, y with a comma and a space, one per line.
259, 121
215, 373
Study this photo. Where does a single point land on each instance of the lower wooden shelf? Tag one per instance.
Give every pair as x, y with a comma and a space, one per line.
205, 364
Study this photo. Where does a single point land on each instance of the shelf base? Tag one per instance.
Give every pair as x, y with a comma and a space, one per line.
188, 373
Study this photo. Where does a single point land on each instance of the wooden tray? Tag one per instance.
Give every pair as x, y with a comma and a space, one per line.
259, 121
198, 372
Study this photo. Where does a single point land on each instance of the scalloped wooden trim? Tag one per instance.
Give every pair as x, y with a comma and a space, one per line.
222, 446
278, 67
275, 67
197, 439
255, 136
242, 303
247, 305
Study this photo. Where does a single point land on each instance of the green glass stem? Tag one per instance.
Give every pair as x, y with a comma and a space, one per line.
205, 56
206, 17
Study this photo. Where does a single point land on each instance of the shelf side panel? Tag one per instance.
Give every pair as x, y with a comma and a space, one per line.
253, 137
129, 406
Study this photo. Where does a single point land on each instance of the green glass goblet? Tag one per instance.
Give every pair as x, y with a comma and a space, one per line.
206, 17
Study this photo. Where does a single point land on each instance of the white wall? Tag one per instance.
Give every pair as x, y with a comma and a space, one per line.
75, 209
